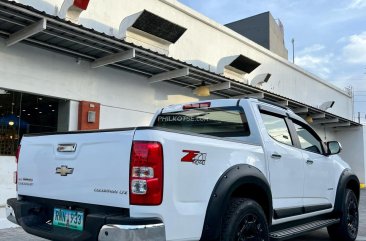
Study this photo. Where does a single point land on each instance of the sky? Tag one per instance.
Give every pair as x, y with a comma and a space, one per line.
329, 35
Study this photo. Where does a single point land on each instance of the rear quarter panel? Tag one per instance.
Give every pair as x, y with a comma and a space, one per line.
188, 186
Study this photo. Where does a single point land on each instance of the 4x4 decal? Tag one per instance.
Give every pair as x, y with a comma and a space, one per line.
195, 157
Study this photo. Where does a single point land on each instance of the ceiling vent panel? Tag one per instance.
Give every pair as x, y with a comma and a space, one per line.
244, 64
236, 67
158, 26
150, 31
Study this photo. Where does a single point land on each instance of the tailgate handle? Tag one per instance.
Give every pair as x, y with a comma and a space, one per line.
69, 147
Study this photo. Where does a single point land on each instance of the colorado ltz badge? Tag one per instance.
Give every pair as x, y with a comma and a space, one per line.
194, 157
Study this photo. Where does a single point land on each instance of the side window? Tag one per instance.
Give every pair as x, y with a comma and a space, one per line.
277, 128
308, 141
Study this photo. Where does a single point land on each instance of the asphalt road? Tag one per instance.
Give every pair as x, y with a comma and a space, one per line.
17, 234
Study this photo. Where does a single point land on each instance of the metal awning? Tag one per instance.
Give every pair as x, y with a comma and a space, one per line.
19, 23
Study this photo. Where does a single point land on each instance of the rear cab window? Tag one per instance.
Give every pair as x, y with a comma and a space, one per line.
228, 122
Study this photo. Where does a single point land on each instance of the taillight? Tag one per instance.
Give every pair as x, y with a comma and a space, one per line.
17, 154
15, 175
146, 173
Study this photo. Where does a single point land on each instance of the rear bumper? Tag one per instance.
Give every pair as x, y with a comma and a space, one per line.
10, 214
36, 219
111, 232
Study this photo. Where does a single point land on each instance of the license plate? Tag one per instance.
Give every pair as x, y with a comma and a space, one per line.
68, 219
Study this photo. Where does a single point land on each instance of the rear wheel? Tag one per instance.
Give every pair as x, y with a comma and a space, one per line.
244, 221
347, 228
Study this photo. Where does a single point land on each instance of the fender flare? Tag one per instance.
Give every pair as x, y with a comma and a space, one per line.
232, 179
346, 177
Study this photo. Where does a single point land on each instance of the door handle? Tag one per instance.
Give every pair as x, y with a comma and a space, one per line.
309, 162
276, 156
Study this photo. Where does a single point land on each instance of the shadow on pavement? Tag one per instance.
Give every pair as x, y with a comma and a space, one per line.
17, 234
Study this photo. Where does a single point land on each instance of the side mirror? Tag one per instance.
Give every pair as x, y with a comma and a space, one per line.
334, 147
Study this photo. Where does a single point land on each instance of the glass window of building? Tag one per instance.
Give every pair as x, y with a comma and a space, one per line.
23, 113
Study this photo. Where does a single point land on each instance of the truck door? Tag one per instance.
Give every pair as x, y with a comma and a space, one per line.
318, 187
285, 164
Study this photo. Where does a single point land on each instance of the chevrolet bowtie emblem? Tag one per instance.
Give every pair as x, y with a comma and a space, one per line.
64, 170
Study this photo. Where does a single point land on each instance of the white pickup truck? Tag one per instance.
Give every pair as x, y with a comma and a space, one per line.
230, 170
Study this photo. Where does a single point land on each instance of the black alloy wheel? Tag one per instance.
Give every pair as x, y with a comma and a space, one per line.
250, 229
352, 216
244, 221
347, 228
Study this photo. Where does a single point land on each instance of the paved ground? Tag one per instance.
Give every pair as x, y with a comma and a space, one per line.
322, 235
17, 234
4, 223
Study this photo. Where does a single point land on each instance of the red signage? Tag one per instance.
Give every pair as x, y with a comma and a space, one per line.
82, 4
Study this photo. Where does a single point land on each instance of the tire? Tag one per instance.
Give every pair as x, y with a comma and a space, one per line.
347, 228
244, 220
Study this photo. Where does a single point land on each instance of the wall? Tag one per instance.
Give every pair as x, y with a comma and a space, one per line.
287, 79
7, 187
277, 44
126, 99
325, 133
364, 151
121, 94
353, 143
112, 117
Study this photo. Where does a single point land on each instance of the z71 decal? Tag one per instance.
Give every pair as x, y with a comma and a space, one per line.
194, 157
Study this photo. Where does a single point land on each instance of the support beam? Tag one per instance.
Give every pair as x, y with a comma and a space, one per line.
314, 116
347, 128
318, 116
253, 95
169, 75
27, 32
221, 86
283, 102
339, 124
325, 121
301, 110
113, 58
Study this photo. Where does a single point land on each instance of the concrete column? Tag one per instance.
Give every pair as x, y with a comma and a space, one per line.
67, 119
63, 116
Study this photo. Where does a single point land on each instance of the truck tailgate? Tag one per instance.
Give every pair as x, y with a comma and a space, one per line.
79, 167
